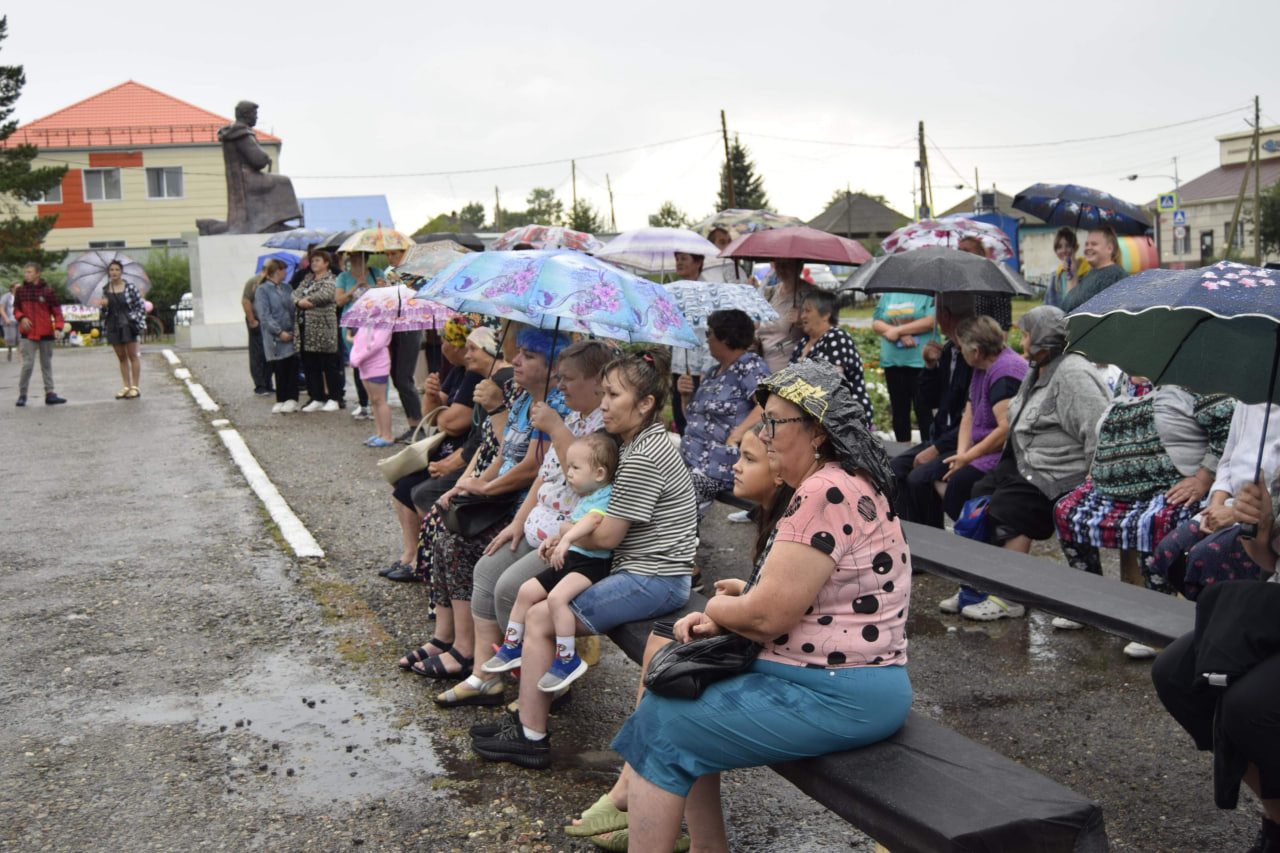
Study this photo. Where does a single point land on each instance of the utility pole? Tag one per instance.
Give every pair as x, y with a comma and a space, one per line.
573, 171
926, 197
1257, 182
1244, 183
728, 161
976, 190
613, 220
497, 209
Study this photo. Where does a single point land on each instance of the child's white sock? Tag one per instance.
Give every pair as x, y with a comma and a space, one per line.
530, 734
565, 647
515, 633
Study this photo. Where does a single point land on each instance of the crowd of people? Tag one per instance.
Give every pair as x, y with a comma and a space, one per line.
557, 504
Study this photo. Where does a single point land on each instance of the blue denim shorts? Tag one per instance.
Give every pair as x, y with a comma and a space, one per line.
628, 597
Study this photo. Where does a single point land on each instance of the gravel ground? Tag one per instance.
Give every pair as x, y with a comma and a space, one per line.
174, 679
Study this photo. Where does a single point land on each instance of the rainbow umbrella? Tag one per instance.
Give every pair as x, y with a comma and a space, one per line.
1138, 254
397, 309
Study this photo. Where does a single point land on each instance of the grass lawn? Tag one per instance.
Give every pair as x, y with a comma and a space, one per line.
1021, 305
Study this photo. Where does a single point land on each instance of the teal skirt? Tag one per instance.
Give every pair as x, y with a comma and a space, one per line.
773, 713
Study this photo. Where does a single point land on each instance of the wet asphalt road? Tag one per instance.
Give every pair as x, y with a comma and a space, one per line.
173, 679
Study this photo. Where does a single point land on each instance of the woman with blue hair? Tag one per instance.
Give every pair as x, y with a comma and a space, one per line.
507, 478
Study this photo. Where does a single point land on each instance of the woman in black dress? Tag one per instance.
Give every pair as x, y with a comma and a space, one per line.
124, 317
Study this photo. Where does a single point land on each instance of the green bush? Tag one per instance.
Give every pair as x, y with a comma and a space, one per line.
170, 274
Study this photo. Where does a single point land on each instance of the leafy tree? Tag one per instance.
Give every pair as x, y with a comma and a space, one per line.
21, 237
170, 274
1268, 228
669, 216
748, 187
583, 216
443, 222
839, 195
544, 207
472, 214
513, 219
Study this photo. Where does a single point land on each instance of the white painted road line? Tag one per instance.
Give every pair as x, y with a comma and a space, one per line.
291, 528
171, 357
201, 396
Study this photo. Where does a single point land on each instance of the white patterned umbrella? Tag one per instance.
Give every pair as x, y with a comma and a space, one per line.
653, 250
698, 299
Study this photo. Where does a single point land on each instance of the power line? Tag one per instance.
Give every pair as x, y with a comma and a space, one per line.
905, 144
1097, 138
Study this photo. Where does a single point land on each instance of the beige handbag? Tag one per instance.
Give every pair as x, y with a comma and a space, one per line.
414, 458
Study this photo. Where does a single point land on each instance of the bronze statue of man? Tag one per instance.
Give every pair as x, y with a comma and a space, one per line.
258, 201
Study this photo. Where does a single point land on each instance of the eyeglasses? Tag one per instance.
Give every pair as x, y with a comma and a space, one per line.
771, 424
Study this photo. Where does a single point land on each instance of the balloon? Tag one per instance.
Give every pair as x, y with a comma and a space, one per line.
148, 306
93, 333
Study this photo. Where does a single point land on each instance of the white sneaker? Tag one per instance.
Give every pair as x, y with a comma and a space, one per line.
740, 517
1066, 624
330, 406
1140, 651
313, 406
358, 413
288, 407
275, 410
991, 609
950, 605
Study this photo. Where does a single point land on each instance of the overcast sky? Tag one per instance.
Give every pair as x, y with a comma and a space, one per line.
369, 102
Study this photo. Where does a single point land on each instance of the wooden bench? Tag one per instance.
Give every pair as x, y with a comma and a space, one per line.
930, 789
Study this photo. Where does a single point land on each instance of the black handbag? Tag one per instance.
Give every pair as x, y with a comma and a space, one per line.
471, 515
683, 670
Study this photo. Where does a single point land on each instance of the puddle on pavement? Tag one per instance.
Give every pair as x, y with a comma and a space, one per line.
323, 742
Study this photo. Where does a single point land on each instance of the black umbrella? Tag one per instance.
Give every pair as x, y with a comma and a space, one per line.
336, 240
1081, 207
471, 241
935, 269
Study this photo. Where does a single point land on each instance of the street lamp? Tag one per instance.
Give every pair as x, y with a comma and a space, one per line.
1177, 244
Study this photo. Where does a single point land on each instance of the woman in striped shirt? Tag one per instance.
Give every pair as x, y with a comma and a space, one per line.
651, 527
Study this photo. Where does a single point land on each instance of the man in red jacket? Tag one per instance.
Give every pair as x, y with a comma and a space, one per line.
39, 316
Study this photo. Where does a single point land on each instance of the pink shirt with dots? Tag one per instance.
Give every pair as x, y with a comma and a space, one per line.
860, 615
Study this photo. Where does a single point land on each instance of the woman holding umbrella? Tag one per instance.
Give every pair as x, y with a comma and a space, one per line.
124, 316
779, 338
1102, 251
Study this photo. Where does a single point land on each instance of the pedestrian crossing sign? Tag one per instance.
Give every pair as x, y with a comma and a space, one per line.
1179, 217
1167, 202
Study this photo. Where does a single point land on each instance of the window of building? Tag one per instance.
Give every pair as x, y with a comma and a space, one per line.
53, 196
106, 244
102, 185
1237, 242
167, 242
164, 182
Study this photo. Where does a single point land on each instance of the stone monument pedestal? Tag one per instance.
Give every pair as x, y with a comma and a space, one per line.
220, 265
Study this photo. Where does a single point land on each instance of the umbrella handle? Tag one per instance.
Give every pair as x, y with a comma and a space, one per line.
1249, 530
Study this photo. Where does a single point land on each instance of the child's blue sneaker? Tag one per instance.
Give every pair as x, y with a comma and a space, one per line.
506, 659
563, 672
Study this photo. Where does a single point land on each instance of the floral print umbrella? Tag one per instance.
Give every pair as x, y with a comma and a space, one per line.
395, 309
698, 299
738, 221
373, 240
948, 233
562, 289
425, 260
547, 237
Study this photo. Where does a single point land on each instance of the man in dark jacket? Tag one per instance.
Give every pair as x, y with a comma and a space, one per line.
39, 316
944, 383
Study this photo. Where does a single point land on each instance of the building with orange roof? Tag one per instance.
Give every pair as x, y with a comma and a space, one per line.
143, 167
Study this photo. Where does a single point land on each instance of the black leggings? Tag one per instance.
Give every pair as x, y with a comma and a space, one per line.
1250, 708
286, 376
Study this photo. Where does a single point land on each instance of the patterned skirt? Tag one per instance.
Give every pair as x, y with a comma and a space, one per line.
1085, 515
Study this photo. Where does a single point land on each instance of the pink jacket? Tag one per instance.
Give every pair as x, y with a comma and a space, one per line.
369, 353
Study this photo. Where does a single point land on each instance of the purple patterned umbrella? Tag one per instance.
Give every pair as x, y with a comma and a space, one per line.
397, 309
